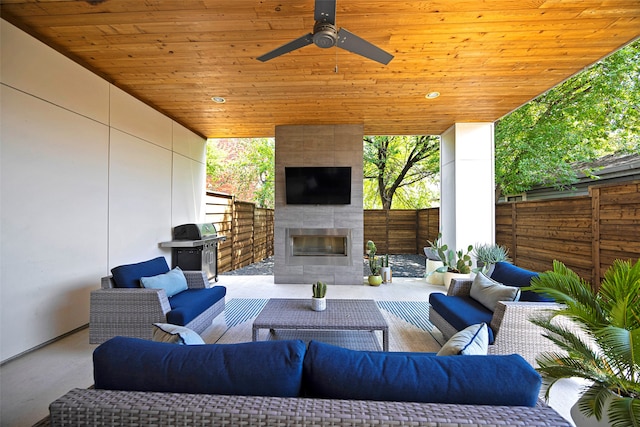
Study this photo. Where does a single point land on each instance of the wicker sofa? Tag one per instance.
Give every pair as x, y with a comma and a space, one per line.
131, 311
284, 383
512, 332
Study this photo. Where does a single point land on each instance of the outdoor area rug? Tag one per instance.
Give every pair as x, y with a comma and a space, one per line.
409, 326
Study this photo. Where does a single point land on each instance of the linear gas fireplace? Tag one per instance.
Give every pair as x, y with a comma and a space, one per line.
318, 246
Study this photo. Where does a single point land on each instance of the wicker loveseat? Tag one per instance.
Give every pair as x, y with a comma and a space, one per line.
510, 328
284, 383
128, 309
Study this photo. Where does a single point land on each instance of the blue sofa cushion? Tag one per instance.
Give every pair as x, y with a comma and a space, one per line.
511, 275
128, 276
338, 373
461, 311
189, 304
265, 368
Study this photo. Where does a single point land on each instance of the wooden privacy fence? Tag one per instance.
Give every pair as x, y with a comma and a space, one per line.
586, 233
401, 231
248, 229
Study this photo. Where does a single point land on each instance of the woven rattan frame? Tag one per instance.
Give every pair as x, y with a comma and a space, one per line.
121, 408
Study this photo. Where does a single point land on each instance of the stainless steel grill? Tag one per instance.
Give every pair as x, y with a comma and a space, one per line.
195, 247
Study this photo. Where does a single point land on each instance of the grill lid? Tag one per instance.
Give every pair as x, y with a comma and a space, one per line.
194, 231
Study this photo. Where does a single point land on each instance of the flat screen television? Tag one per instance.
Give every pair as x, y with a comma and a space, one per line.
314, 185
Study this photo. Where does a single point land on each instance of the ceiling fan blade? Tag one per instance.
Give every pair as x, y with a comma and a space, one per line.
291, 46
325, 11
355, 44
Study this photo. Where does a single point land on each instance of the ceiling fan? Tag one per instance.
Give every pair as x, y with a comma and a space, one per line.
325, 35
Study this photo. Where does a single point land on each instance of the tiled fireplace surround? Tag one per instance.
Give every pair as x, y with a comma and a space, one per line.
323, 145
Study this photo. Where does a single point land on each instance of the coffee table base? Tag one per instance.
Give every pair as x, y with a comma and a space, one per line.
354, 340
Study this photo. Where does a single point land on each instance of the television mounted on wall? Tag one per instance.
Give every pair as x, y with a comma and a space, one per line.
316, 185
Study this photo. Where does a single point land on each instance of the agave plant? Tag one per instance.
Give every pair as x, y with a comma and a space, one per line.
606, 349
487, 254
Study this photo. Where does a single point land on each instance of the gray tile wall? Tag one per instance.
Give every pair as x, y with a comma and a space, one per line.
323, 145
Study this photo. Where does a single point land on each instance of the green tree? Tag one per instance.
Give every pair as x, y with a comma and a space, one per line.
243, 167
399, 171
592, 114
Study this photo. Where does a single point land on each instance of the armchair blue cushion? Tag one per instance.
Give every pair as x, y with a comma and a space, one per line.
461, 311
510, 275
187, 305
128, 275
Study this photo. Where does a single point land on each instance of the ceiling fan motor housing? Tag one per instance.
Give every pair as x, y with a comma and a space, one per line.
325, 35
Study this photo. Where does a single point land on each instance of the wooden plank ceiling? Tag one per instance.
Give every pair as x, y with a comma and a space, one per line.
485, 57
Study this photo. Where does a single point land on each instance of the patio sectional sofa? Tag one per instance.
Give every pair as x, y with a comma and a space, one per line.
280, 383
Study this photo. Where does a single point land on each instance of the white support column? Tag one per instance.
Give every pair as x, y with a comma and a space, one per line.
467, 185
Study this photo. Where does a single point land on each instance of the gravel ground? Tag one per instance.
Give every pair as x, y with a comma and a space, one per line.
405, 265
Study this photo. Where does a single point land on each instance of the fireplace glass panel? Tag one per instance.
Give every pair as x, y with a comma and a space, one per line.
319, 245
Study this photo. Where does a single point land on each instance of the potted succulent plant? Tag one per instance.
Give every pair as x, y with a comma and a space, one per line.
605, 351
487, 254
456, 264
318, 301
375, 279
432, 276
385, 269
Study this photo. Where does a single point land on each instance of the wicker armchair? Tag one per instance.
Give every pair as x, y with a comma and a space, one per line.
132, 311
513, 331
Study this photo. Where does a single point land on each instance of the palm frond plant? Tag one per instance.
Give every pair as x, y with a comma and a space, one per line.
605, 350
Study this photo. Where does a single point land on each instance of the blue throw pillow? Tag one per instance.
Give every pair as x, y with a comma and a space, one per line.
337, 373
264, 368
128, 276
173, 282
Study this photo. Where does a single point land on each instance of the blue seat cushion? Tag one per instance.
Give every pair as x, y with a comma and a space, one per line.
128, 276
264, 368
337, 373
461, 311
189, 304
511, 275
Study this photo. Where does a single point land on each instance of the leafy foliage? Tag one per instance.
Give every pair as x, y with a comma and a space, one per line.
607, 349
398, 171
592, 114
243, 167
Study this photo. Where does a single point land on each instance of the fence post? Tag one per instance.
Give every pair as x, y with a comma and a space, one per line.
514, 240
594, 192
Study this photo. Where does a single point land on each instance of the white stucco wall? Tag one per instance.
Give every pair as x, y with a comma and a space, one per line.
90, 178
467, 195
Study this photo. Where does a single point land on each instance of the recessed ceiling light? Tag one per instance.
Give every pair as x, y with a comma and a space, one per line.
432, 95
218, 99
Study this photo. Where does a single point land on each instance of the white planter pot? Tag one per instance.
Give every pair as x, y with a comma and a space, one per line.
318, 304
582, 420
448, 276
432, 276
385, 272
